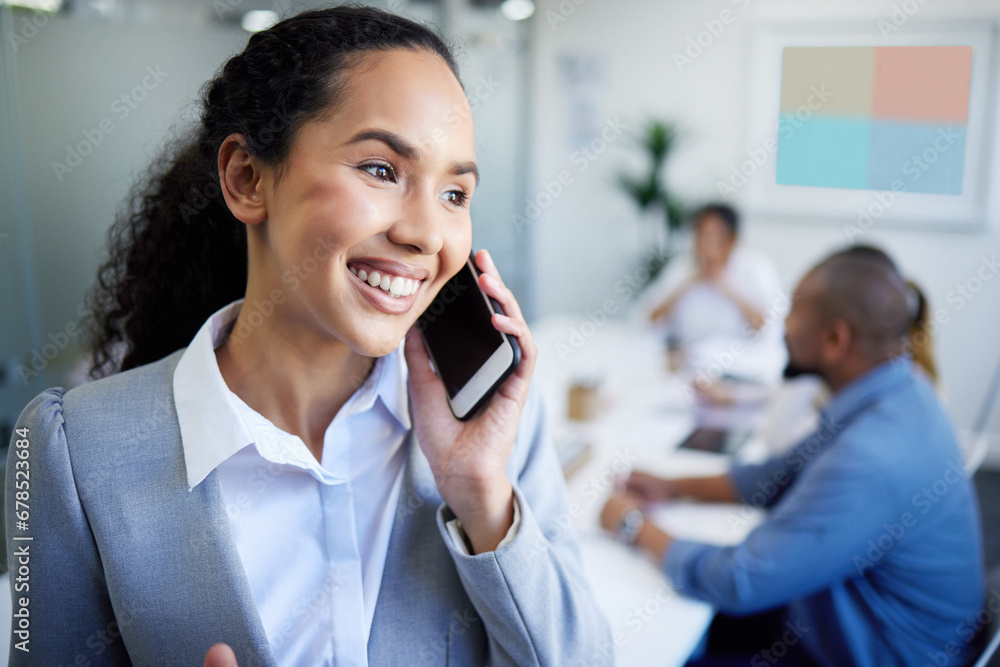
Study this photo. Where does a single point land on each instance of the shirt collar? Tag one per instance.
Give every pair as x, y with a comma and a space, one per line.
885, 378
209, 413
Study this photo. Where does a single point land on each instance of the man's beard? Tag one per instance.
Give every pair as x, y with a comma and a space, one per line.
793, 370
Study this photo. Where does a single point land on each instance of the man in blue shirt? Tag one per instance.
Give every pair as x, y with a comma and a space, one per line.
870, 549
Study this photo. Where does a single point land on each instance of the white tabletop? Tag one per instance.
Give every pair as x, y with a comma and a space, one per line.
644, 414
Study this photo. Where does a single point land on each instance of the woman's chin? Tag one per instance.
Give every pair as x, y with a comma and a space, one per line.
378, 347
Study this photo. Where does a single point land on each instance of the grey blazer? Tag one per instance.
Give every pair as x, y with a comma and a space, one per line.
127, 566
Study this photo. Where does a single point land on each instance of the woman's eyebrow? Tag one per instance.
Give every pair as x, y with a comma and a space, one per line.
391, 139
459, 168
405, 149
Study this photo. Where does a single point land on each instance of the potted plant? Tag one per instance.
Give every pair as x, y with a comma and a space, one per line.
650, 194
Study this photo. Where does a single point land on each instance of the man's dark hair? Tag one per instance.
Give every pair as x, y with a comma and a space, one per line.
869, 296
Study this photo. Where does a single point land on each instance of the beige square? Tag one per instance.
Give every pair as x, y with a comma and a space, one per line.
844, 73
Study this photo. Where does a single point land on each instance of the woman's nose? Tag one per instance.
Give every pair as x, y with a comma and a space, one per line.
419, 224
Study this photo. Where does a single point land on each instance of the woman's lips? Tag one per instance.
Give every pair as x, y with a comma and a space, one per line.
383, 299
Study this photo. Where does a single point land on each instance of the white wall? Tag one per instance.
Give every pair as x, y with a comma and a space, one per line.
588, 238
70, 74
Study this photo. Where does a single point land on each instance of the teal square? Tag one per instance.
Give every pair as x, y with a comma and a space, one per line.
823, 151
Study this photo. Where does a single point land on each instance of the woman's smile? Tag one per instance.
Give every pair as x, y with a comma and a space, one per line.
389, 286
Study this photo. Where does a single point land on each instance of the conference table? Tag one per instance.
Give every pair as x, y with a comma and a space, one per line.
643, 412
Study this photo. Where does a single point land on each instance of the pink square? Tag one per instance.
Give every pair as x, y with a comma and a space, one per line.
922, 83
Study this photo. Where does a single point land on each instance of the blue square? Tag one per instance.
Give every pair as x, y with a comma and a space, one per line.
926, 157
822, 151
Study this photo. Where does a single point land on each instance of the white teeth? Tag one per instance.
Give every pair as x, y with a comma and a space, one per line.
396, 286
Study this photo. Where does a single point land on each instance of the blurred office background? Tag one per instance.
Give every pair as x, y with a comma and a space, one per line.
566, 91
544, 89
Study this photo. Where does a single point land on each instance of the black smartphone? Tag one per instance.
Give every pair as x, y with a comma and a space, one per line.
470, 356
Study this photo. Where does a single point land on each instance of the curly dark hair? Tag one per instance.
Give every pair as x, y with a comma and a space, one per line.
176, 252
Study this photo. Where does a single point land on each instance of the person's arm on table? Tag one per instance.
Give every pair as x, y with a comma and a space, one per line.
808, 542
650, 537
760, 485
650, 488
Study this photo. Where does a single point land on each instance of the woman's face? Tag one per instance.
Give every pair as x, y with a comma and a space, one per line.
713, 243
377, 191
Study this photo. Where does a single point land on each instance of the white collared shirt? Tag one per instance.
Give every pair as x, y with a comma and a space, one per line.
312, 536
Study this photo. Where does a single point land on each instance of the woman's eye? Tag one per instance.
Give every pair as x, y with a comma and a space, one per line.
382, 172
457, 197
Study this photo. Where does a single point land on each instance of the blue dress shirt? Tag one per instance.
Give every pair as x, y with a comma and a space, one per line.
872, 538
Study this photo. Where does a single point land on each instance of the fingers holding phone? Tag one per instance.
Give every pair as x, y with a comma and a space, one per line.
511, 322
466, 417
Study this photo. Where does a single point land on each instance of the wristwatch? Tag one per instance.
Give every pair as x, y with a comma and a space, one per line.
630, 525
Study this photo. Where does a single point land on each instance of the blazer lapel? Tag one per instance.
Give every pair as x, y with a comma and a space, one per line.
232, 614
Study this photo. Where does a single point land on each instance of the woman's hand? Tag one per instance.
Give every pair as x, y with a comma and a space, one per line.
469, 458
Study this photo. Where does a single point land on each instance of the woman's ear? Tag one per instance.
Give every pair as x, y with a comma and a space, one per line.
240, 178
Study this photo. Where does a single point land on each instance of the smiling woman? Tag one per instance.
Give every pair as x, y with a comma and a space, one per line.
274, 462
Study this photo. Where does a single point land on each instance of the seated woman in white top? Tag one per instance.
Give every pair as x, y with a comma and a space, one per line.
721, 295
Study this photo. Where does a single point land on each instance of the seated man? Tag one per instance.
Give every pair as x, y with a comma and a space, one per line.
870, 551
722, 295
